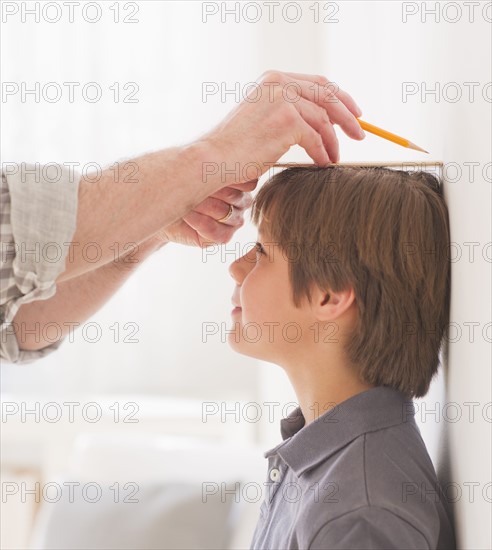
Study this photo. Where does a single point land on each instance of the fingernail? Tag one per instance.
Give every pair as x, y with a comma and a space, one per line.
362, 134
359, 110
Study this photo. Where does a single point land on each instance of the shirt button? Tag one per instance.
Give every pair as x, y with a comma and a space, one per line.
274, 474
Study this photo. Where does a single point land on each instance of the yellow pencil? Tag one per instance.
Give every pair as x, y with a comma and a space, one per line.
389, 136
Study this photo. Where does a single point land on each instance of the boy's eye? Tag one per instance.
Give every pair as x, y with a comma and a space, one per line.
259, 248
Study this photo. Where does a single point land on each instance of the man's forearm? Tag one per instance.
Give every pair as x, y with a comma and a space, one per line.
152, 192
77, 299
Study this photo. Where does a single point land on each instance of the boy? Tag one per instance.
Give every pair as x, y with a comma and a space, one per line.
350, 285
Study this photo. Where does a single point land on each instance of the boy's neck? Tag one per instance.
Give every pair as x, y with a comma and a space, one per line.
320, 387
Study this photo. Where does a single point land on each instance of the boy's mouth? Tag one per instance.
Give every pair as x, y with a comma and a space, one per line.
237, 308
235, 301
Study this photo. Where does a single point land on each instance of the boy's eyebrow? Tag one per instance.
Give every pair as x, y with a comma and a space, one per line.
260, 233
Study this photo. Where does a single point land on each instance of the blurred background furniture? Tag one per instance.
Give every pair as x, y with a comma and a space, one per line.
153, 493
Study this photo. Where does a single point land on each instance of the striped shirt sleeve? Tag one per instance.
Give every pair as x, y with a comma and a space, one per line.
38, 212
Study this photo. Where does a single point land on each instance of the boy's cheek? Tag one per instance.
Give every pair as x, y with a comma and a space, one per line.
263, 319
254, 303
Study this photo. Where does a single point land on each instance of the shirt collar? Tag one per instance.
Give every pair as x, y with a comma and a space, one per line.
306, 446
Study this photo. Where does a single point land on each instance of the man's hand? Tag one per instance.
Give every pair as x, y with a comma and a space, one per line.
173, 183
285, 109
201, 228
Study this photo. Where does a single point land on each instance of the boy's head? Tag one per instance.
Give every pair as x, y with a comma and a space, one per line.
354, 267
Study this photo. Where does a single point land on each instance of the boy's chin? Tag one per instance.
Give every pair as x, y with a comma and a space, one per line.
245, 348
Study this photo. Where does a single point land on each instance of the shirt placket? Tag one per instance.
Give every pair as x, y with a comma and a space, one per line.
276, 474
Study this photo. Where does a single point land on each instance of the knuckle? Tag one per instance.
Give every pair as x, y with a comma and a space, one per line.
267, 74
248, 201
274, 77
244, 201
232, 195
289, 114
322, 80
322, 114
318, 141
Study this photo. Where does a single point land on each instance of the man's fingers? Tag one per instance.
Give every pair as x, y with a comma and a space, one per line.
317, 118
210, 229
349, 102
339, 105
246, 186
217, 209
328, 97
312, 143
235, 197
346, 98
204, 217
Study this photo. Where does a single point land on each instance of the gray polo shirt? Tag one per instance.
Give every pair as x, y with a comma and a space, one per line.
359, 476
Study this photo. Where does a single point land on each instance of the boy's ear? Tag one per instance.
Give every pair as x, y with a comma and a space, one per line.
328, 305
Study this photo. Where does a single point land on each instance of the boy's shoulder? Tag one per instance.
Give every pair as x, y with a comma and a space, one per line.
384, 477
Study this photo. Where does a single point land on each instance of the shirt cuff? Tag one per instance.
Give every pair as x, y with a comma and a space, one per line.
38, 221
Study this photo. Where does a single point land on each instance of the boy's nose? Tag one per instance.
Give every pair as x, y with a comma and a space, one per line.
235, 271
240, 267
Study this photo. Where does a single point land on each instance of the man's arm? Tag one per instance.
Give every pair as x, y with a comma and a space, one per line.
128, 206
85, 294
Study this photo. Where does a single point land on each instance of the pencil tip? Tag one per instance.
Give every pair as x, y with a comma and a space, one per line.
416, 147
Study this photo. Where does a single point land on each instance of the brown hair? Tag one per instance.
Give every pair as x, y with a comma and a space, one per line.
383, 232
